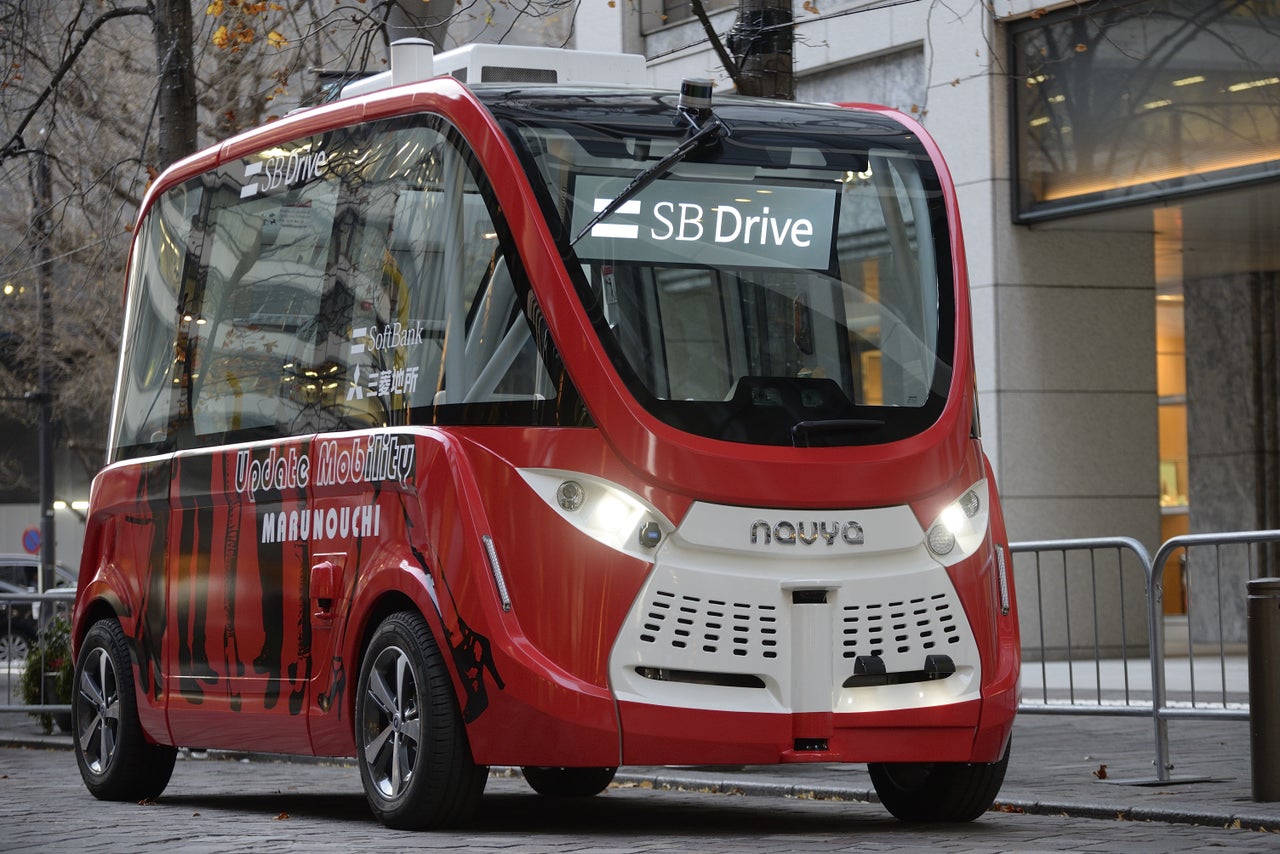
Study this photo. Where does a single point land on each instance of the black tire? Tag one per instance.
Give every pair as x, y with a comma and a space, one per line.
411, 744
938, 791
568, 782
115, 758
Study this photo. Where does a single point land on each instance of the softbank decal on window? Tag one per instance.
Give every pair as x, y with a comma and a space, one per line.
707, 223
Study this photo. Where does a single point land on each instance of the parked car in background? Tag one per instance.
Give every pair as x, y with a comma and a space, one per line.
20, 570
18, 629
20, 621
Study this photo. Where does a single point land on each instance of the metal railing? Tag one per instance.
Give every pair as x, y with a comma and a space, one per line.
26, 620
1085, 598
1128, 664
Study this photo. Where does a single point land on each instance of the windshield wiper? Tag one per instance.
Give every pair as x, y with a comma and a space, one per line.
803, 430
712, 126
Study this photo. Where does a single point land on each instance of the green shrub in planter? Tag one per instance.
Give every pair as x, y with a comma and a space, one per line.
49, 673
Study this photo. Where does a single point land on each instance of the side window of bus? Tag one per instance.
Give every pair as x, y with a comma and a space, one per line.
436, 319
259, 362
154, 340
355, 279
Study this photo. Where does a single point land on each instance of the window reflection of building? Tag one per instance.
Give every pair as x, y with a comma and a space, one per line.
1123, 102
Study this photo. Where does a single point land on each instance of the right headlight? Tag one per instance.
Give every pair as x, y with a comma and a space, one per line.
961, 526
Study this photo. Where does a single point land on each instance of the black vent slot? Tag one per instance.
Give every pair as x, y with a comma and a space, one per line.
697, 677
510, 74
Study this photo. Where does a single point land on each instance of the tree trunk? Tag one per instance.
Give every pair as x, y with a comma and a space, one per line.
176, 100
761, 41
423, 19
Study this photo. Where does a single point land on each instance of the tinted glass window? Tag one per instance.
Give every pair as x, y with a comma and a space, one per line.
787, 282
354, 279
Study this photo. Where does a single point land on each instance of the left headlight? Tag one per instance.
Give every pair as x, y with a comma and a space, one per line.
961, 526
602, 510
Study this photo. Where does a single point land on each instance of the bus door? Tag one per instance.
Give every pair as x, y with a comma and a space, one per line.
240, 531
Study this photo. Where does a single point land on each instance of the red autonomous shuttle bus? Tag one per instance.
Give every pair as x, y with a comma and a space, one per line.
551, 425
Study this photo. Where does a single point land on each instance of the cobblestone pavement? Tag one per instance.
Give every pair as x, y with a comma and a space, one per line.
220, 804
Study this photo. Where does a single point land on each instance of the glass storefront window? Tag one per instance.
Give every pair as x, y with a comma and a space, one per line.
1116, 103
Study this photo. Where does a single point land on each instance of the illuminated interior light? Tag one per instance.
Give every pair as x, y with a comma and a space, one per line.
80, 505
1039, 122
1057, 99
1157, 104
1037, 79
1189, 81
1068, 190
1253, 84
59, 505
8, 289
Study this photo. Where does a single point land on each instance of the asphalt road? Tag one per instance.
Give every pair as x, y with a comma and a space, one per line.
223, 805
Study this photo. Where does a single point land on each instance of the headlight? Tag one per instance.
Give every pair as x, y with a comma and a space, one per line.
602, 510
961, 526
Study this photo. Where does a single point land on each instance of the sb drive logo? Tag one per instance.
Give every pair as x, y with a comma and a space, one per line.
688, 221
282, 170
769, 226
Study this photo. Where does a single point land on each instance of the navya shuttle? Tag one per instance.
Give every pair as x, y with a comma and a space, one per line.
553, 423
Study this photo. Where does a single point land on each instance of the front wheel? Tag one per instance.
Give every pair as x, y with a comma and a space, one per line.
938, 791
411, 745
568, 782
115, 758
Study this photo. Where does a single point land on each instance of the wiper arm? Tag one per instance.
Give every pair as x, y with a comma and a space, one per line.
802, 430
657, 170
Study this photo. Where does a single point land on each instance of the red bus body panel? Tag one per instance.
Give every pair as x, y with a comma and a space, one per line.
247, 629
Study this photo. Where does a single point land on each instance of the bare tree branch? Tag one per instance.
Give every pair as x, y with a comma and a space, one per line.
15, 146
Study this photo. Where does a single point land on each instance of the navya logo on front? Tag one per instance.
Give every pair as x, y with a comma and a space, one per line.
708, 222
787, 533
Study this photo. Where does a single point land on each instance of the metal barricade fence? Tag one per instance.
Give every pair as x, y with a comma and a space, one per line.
1095, 636
1112, 659
27, 623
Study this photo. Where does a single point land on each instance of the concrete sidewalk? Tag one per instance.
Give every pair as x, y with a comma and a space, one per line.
1071, 765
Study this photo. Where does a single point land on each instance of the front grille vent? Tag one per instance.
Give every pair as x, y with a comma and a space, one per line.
921, 625
711, 626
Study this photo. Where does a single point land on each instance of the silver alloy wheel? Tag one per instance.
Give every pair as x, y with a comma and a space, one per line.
13, 647
99, 732
393, 723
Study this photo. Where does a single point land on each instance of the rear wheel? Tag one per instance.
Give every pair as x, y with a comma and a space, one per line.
411, 745
115, 758
938, 791
568, 782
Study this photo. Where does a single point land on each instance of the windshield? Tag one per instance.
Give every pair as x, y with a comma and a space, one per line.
785, 282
